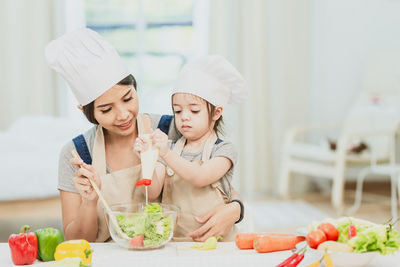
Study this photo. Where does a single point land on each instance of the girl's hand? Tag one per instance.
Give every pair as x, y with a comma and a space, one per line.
160, 141
217, 222
82, 183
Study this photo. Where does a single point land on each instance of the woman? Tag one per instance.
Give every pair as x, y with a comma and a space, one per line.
108, 98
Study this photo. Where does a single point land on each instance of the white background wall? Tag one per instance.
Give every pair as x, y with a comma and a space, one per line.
347, 38
305, 61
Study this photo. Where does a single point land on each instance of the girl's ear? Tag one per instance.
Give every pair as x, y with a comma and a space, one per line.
217, 113
79, 107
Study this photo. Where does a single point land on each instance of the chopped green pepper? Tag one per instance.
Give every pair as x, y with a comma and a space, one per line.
210, 243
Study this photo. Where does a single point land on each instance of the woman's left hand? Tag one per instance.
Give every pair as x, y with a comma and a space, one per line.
217, 222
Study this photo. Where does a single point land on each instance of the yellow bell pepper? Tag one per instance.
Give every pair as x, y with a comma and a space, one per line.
74, 248
328, 260
316, 264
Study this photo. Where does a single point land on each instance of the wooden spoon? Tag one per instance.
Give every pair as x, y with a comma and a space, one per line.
113, 219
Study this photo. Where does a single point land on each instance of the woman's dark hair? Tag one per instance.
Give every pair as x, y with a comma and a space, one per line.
88, 109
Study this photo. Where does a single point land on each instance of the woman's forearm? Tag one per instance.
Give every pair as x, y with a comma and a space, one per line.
85, 225
157, 183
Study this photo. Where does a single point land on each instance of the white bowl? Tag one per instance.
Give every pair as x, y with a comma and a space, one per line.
344, 259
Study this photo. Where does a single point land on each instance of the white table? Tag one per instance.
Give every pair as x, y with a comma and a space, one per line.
181, 254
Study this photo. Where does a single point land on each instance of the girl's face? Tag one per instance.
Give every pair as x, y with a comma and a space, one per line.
116, 110
191, 116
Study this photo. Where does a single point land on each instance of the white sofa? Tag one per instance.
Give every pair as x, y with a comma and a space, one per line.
29, 151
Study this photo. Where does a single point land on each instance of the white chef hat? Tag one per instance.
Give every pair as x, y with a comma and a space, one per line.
87, 62
214, 79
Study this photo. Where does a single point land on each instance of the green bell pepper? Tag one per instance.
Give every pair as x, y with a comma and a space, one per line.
48, 239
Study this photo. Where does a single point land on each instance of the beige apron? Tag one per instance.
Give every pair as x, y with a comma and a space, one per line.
192, 200
117, 187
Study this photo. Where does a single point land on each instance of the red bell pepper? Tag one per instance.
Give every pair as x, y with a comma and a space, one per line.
23, 247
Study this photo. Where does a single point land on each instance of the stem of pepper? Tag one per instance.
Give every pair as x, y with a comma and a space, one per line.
24, 228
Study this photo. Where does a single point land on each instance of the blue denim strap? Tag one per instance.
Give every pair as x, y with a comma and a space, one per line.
165, 123
218, 141
82, 149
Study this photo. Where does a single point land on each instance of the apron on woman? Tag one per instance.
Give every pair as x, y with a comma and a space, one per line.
117, 187
193, 201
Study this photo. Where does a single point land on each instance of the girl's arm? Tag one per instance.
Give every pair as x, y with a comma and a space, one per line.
79, 211
198, 175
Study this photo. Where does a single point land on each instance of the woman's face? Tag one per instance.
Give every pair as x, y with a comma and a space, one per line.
191, 116
116, 110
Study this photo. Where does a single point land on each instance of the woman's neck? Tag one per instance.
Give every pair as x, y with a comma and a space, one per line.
113, 139
119, 151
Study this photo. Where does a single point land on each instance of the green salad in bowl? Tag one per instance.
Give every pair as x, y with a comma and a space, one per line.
351, 242
144, 226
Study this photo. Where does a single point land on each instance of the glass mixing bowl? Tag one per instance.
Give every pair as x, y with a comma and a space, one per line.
146, 227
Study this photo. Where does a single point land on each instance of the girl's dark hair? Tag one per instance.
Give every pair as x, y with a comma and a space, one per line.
218, 126
88, 109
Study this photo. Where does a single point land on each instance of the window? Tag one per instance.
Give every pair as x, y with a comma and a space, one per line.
154, 38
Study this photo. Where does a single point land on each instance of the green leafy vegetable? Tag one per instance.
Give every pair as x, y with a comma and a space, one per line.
370, 237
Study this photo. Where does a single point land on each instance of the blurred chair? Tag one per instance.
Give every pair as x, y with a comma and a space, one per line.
373, 120
391, 169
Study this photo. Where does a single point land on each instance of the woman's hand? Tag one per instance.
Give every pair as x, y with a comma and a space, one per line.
160, 141
139, 146
217, 222
81, 180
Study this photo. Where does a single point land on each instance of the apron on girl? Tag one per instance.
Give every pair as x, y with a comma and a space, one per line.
193, 201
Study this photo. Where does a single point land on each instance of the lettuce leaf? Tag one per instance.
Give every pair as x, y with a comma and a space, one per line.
393, 241
370, 237
151, 223
343, 229
153, 208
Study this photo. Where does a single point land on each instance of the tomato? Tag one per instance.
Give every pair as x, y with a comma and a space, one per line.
330, 231
352, 231
137, 241
314, 238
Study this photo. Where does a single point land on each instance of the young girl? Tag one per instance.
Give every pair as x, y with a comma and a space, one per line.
195, 172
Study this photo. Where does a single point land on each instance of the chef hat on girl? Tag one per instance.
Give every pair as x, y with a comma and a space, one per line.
87, 62
214, 79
